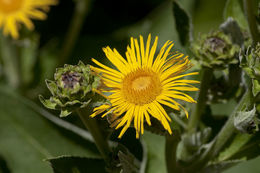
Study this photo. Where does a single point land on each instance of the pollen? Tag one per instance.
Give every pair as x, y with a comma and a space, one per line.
141, 87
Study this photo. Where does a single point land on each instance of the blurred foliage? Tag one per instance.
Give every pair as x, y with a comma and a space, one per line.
29, 141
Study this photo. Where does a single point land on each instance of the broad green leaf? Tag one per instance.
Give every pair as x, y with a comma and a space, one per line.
71, 164
220, 166
233, 9
251, 166
182, 23
238, 142
27, 139
155, 146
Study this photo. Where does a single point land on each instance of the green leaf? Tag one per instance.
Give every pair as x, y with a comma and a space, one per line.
71, 164
192, 145
251, 166
47, 103
27, 138
182, 23
233, 9
155, 146
221, 166
129, 163
246, 121
256, 87
231, 27
238, 142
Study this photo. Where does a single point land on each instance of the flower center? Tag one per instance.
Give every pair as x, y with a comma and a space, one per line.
141, 86
215, 44
8, 6
70, 79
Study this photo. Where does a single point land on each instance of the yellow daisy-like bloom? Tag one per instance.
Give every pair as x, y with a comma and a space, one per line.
142, 84
15, 12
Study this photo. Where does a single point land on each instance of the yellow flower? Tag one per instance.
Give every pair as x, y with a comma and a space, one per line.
142, 84
15, 12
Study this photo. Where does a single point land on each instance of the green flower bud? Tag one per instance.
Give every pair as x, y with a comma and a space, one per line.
247, 121
72, 88
250, 62
215, 50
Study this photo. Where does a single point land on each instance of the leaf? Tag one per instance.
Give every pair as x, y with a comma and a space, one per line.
231, 27
182, 23
27, 138
155, 146
251, 166
192, 145
238, 142
233, 9
256, 87
128, 162
221, 166
246, 121
71, 164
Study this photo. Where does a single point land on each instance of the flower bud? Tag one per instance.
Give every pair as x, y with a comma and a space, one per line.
215, 50
72, 88
247, 121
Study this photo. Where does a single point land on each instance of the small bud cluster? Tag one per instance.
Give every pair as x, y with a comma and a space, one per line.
72, 88
215, 50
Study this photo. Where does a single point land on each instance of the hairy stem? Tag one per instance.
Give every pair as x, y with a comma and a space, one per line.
170, 153
206, 75
94, 129
228, 129
225, 133
250, 7
81, 10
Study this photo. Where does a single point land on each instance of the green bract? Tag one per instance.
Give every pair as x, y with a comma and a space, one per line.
250, 62
215, 50
246, 121
72, 88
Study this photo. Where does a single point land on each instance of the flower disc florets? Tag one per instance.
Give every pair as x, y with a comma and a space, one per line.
215, 50
72, 88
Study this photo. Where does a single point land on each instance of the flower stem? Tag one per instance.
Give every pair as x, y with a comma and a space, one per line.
228, 129
170, 153
9, 56
225, 133
250, 8
94, 129
206, 75
81, 10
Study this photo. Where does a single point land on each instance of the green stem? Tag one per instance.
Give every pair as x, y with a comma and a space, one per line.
250, 7
170, 153
228, 129
93, 127
198, 109
81, 10
10, 60
225, 133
